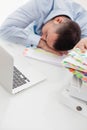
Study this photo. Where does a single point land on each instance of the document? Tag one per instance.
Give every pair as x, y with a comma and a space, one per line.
76, 63
76, 60
42, 55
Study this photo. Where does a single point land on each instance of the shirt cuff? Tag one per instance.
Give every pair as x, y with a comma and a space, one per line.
33, 40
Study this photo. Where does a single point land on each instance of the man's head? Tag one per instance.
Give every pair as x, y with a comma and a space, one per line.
61, 33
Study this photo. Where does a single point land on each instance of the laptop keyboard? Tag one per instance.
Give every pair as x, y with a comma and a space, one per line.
18, 78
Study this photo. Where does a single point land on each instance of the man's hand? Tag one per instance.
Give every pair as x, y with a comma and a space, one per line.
82, 44
42, 44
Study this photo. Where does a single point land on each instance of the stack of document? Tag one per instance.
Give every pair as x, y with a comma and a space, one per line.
44, 56
76, 62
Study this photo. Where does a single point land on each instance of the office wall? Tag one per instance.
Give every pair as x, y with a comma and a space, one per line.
82, 2
8, 6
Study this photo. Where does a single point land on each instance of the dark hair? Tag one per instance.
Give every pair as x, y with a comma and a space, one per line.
69, 34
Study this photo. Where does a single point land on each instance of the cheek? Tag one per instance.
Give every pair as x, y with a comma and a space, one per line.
50, 42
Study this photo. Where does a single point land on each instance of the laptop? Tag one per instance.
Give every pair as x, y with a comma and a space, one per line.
17, 73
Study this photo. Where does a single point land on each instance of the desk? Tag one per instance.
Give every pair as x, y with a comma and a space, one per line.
39, 107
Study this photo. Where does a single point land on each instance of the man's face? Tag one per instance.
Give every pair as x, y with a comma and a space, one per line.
49, 34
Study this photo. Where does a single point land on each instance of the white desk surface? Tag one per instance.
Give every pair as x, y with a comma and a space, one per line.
39, 107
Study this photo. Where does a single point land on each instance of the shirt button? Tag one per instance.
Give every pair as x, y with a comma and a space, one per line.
31, 45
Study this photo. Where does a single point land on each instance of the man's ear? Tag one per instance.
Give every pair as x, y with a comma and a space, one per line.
58, 20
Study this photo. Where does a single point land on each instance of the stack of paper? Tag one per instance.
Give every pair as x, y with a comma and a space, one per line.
42, 55
76, 62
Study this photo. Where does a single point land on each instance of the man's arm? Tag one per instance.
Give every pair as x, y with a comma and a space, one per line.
15, 27
82, 44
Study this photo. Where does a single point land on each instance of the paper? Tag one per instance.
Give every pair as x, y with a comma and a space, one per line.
42, 55
76, 60
76, 63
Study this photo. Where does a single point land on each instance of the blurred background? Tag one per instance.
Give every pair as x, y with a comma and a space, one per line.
8, 6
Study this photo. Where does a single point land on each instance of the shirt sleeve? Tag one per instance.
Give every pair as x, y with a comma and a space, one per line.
33, 39
18, 35
16, 26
